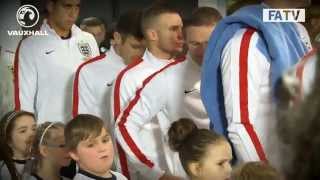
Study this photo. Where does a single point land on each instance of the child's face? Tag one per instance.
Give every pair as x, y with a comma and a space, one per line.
95, 154
56, 150
216, 164
22, 136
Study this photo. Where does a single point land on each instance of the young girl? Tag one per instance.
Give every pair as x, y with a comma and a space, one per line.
49, 152
17, 129
204, 154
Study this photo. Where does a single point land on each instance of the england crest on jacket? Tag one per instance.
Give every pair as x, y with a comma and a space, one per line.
85, 49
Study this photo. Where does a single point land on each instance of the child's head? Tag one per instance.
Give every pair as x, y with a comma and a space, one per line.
255, 170
49, 145
89, 144
204, 154
17, 129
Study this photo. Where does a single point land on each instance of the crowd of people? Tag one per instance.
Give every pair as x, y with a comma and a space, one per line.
170, 98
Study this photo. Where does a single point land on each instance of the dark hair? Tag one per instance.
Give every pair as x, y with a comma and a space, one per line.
203, 16
255, 171
90, 22
80, 128
299, 129
5, 157
6, 126
190, 142
150, 14
129, 23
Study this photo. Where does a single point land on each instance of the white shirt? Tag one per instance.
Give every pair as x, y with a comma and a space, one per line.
192, 103
93, 85
4, 171
149, 94
44, 69
248, 99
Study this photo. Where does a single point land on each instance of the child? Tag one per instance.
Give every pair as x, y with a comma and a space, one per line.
90, 145
255, 170
204, 154
17, 129
49, 152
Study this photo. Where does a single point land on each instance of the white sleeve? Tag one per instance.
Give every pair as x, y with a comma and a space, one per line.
245, 75
138, 112
25, 78
84, 101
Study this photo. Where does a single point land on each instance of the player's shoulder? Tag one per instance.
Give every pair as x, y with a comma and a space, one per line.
245, 34
35, 41
93, 64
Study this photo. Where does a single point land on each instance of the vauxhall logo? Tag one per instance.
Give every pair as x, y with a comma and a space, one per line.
27, 16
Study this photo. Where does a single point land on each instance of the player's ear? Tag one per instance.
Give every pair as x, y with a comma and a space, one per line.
195, 169
117, 38
152, 34
74, 155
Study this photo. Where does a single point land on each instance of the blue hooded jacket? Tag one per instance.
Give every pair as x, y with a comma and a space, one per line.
284, 47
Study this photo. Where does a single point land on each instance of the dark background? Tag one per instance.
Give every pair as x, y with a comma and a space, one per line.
110, 10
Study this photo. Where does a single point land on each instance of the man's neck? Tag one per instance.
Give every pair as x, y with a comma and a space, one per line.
61, 32
158, 53
117, 51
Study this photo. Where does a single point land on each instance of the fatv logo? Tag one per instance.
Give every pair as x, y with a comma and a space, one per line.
284, 15
27, 16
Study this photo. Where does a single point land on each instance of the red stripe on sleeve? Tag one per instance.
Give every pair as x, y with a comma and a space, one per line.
116, 109
244, 111
75, 100
16, 79
122, 124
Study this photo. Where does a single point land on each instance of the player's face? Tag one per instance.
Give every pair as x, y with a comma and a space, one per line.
131, 47
95, 154
216, 163
22, 136
98, 32
197, 38
169, 33
64, 13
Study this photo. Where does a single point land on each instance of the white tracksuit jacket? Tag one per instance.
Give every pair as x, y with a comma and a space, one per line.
93, 85
192, 103
248, 106
43, 72
147, 98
